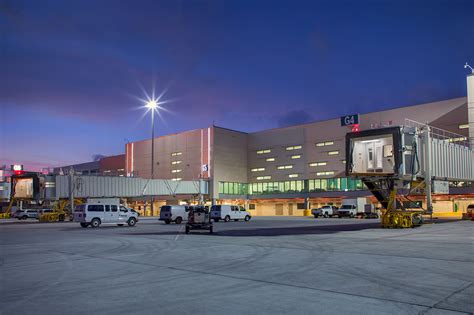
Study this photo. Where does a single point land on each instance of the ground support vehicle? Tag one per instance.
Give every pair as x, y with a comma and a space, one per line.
199, 219
469, 214
329, 211
173, 213
104, 211
352, 207
229, 212
317, 212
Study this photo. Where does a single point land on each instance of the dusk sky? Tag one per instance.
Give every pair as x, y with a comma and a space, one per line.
71, 71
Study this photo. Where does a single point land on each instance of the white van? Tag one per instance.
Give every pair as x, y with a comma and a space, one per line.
228, 212
173, 213
97, 212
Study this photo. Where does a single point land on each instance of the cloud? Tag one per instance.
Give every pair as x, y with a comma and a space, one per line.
294, 117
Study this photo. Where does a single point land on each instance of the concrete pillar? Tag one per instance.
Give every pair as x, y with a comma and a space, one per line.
470, 106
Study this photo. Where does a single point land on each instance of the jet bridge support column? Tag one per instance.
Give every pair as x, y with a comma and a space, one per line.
427, 170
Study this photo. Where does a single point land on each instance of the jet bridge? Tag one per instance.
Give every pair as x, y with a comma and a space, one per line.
409, 157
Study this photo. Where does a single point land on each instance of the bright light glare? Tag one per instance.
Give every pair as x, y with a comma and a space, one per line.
152, 104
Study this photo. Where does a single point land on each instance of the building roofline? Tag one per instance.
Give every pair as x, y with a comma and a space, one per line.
365, 113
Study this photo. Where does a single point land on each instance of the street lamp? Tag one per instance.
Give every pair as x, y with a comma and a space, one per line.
152, 105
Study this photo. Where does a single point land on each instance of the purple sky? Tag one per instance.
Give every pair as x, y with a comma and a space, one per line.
70, 71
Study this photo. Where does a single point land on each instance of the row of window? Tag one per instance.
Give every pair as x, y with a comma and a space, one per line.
297, 156
292, 186
297, 147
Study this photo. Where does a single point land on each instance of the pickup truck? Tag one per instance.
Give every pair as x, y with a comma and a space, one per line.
327, 211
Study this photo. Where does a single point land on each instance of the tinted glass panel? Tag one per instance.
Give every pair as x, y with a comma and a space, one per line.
95, 208
107, 208
114, 208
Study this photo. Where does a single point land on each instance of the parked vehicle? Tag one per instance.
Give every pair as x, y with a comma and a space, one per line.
229, 212
107, 211
468, 215
329, 211
317, 212
173, 213
24, 214
352, 207
199, 219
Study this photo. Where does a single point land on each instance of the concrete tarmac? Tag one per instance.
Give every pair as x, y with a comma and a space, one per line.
281, 265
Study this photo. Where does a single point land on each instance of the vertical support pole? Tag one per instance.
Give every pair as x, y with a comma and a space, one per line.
152, 197
201, 199
71, 193
427, 169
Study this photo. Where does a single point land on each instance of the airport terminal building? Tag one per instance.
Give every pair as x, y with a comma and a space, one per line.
282, 171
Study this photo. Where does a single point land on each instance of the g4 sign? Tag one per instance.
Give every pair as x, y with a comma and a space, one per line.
350, 120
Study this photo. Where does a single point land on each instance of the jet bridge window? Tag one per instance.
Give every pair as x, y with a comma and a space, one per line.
373, 154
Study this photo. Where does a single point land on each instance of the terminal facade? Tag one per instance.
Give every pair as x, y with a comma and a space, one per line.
282, 171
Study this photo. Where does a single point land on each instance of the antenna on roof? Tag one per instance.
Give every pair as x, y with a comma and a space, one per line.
468, 66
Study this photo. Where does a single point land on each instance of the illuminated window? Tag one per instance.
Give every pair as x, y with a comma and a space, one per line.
324, 144
264, 177
333, 152
270, 160
295, 147
294, 157
325, 173
284, 167
318, 164
464, 126
175, 171
460, 139
260, 169
343, 161
120, 169
264, 151
175, 162
176, 153
176, 179
293, 175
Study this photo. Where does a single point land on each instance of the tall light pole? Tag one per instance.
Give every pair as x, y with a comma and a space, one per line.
152, 105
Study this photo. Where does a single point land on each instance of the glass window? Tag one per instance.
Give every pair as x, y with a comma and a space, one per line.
176, 153
318, 164
294, 157
221, 187
175, 162
293, 186
107, 208
295, 147
287, 186
343, 182
293, 175
113, 208
270, 159
324, 143
265, 151
333, 184
95, 208
324, 185
299, 186
123, 209
258, 169
333, 152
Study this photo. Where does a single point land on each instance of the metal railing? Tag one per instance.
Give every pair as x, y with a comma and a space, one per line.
441, 134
